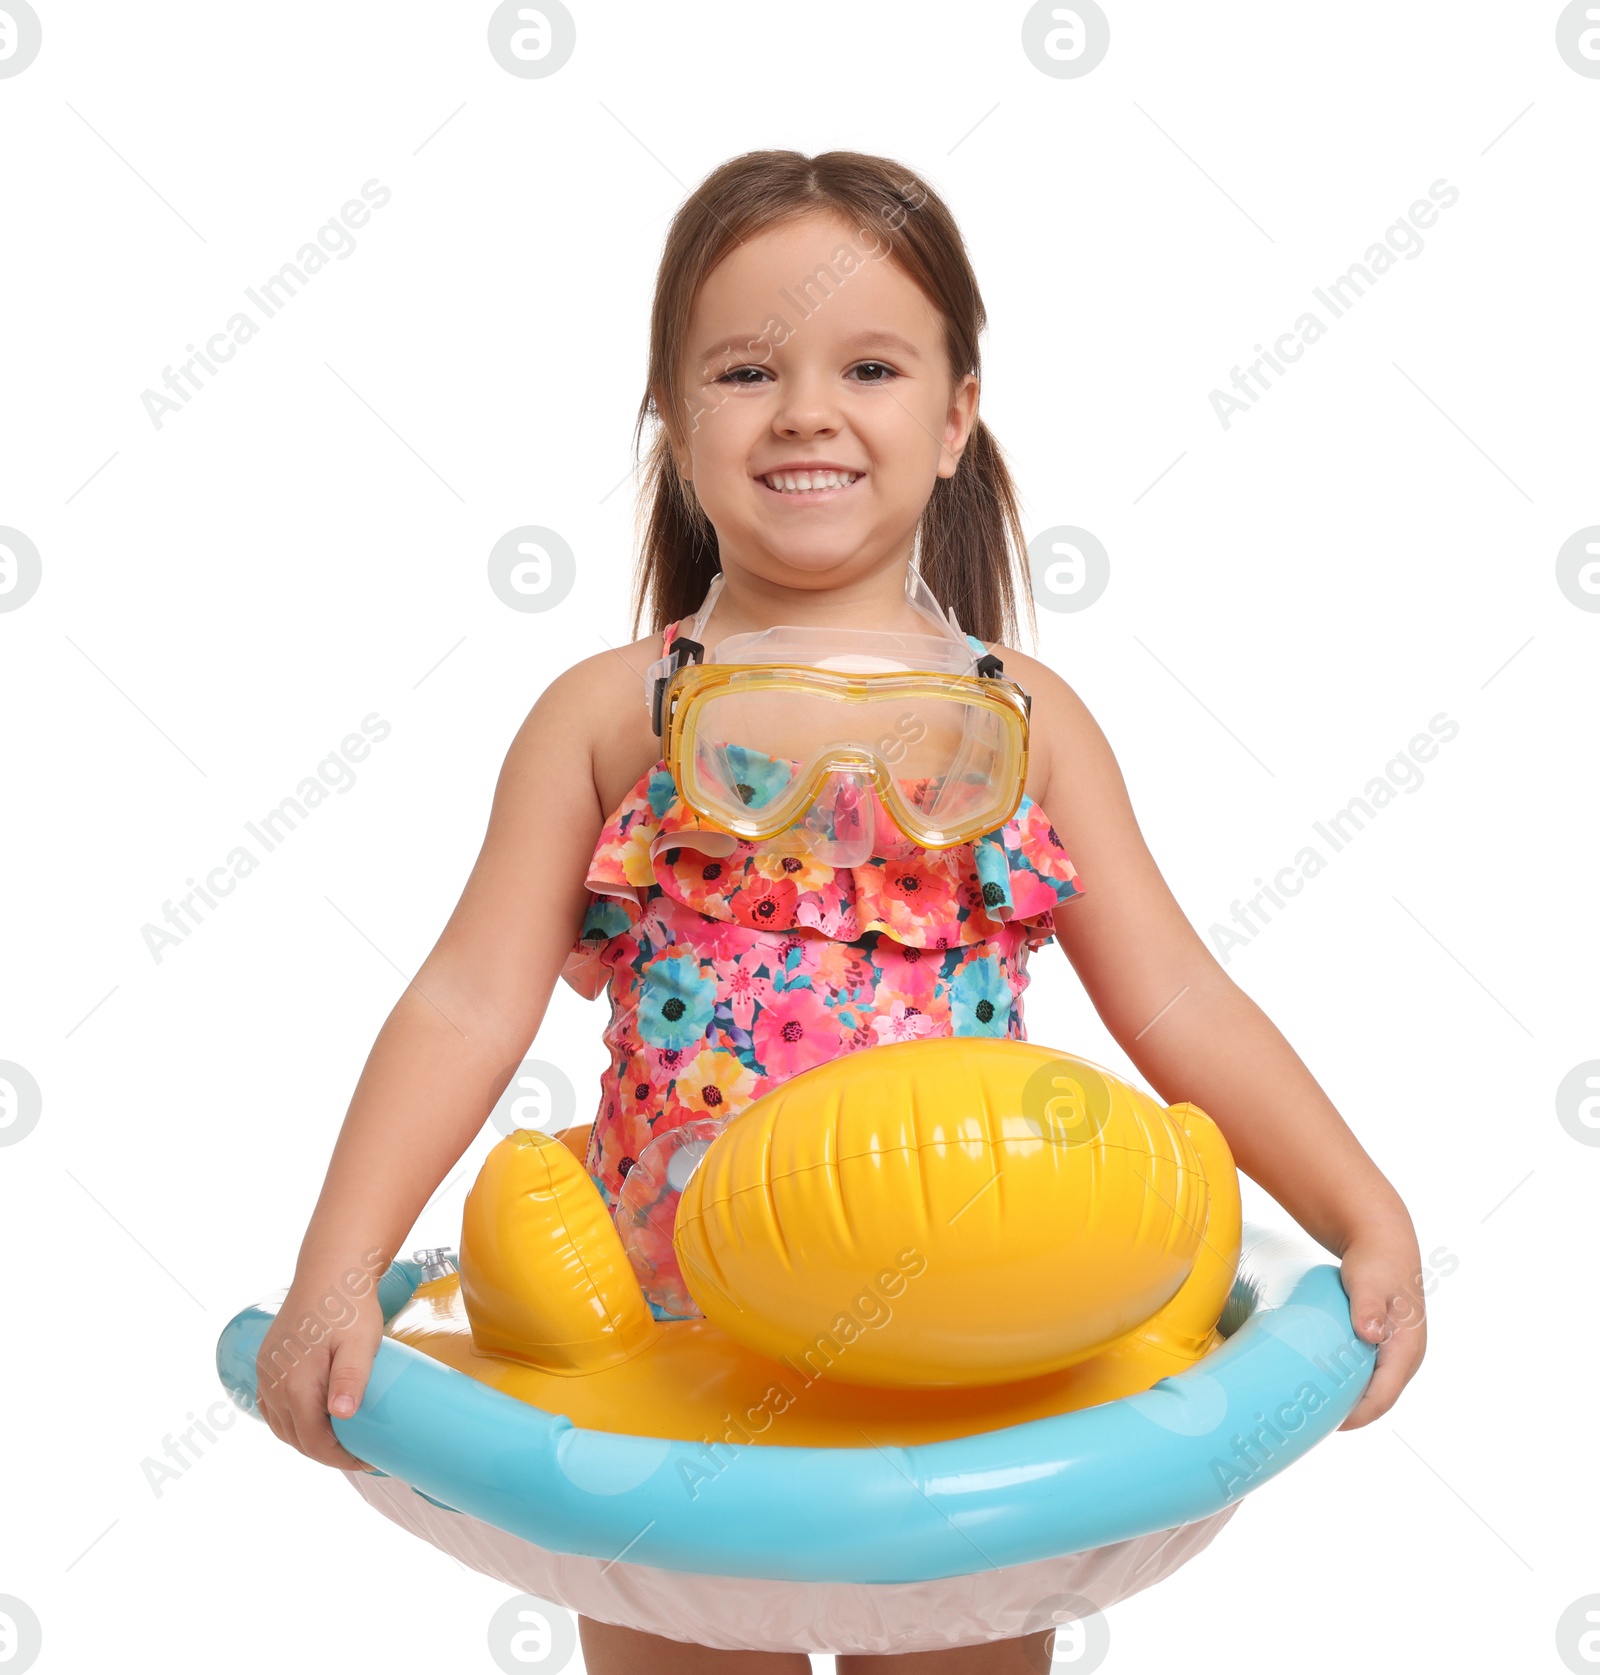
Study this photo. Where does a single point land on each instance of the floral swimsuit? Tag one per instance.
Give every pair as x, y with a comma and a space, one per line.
732, 968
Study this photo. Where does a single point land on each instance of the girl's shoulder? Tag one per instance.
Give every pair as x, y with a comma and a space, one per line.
1056, 719
607, 690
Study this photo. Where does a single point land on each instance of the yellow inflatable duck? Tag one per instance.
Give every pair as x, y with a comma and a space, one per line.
917, 1241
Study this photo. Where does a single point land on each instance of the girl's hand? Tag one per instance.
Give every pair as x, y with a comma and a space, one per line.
1381, 1270
315, 1360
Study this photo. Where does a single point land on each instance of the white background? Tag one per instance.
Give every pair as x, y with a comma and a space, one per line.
1291, 599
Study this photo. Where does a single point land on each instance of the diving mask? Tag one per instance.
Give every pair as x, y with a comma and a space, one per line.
804, 739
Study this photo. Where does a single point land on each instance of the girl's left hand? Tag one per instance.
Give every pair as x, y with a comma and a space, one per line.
1381, 1270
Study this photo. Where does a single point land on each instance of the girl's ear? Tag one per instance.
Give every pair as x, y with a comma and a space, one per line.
679, 448
960, 421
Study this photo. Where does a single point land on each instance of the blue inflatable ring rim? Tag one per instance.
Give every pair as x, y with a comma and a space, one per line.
1288, 1372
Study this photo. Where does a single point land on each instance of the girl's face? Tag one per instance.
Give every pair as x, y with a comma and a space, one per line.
807, 347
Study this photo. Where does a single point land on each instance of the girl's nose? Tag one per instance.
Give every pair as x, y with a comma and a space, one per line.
807, 405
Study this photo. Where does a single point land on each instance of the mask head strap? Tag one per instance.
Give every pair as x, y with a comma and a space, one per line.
686, 648
921, 597
690, 647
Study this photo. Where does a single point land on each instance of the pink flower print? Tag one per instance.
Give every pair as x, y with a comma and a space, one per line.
903, 1023
742, 983
655, 928
842, 967
795, 1031
721, 941
828, 912
764, 904
969, 894
763, 1084
641, 1080
620, 1145
906, 970
1032, 895
1041, 843
918, 883
667, 1060
665, 1111
792, 969
698, 874
703, 934
882, 998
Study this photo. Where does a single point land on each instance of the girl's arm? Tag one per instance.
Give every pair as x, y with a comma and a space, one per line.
1194, 1035
441, 1060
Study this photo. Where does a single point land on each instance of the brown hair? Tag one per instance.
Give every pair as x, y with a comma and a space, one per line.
970, 534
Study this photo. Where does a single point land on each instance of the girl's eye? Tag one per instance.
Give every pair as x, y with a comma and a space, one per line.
735, 375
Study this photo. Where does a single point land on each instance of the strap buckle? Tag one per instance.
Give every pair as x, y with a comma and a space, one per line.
991, 665
682, 651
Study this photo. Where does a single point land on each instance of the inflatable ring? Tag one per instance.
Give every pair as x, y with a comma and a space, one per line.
879, 1547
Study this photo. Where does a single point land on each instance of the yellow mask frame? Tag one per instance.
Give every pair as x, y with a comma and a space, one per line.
694, 686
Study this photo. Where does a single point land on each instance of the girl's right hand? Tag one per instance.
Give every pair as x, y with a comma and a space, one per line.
310, 1366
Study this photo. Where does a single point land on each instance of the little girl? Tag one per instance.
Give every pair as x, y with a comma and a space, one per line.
814, 371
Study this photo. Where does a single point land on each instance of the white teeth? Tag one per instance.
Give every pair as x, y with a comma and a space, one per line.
787, 482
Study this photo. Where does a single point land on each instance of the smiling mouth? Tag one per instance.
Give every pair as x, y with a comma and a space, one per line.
810, 487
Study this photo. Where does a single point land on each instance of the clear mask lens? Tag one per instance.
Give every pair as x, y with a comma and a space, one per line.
746, 744
947, 758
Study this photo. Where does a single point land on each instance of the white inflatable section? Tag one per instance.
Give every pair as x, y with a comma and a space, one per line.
736, 1613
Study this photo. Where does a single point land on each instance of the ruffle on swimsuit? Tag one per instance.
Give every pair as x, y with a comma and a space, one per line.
934, 899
